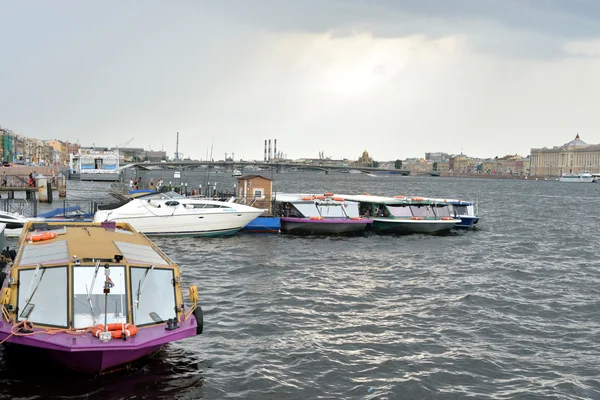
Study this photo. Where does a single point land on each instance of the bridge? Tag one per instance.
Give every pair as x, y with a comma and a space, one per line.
240, 165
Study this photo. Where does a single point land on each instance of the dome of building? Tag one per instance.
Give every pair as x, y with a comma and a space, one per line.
576, 142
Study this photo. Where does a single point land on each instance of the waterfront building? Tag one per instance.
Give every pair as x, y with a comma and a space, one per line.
571, 157
95, 164
62, 148
437, 157
462, 164
365, 160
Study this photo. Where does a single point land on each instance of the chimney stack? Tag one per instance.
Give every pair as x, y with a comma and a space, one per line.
275, 149
265, 150
269, 150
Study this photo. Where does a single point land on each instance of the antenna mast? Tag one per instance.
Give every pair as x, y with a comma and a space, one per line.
177, 148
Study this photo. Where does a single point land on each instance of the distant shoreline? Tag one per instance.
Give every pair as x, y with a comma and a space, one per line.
488, 176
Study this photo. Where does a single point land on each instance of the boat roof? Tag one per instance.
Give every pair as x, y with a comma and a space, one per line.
305, 197
367, 198
87, 242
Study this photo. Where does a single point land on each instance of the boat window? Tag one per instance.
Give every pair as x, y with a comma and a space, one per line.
304, 209
172, 203
422, 211
209, 205
45, 253
140, 254
88, 300
43, 295
152, 292
461, 210
443, 211
399, 211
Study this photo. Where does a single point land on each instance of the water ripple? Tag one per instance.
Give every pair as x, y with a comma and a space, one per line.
507, 311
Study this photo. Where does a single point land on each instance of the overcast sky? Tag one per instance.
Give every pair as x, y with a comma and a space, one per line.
396, 77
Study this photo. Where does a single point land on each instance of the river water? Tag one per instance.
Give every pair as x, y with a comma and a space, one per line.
507, 311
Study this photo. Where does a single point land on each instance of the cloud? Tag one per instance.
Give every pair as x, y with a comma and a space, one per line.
396, 77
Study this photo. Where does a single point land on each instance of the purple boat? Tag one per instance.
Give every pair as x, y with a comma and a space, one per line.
319, 215
323, 226
93, 297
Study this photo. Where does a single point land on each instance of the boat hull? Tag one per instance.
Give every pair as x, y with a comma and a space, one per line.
334, 226
263, 224
213, 224
466, 222
577, 179
407, 227
86, 354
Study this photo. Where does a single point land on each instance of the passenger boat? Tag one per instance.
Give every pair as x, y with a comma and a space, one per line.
93, 297
405, 215
581, 177
466, 211
319, 214
173, 214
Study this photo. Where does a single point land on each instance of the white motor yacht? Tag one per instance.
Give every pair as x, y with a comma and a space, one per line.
172, 214
581, 177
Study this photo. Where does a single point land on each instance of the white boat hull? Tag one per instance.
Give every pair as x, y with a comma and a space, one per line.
200, 224
577, 179
181, 216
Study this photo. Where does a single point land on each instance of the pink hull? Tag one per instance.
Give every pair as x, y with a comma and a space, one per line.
86, 354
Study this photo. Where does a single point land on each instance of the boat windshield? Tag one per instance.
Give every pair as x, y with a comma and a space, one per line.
45, 300
89, 298
153, 294
162, 196
461, 210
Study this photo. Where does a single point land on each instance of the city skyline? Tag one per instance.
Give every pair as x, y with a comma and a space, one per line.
398, 78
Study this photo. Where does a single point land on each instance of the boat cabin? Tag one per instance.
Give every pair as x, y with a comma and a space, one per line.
306, 206
77, 275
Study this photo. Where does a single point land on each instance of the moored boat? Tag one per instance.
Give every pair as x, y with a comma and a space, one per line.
405, 215
466, 211
319, 214
93, 297
173, 214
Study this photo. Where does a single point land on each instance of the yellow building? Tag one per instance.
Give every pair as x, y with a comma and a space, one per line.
365, 160
573, 156
62, 148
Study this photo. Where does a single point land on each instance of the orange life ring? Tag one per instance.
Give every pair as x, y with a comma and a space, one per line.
307, 198
328, 194
116, 330
316, 218
319, 197
417, 218
398, 197
447, 218
417, 199
337, 199
356, 218
36, 237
